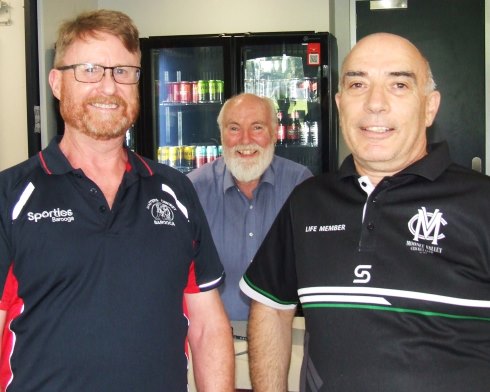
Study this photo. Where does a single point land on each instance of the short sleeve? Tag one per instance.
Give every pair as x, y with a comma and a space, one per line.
206, 271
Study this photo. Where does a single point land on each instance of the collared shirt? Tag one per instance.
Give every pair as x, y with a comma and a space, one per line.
402, 294
102, 288
239, 225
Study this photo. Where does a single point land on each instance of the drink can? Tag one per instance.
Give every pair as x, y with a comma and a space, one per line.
221, 90
189, 157
185, 92
169, 91
213, 90
176, 92
163, 155
195, 95
200, 155
203, 90
211, 153
174, 156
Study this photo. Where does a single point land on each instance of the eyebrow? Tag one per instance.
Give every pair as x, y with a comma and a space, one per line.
407, 74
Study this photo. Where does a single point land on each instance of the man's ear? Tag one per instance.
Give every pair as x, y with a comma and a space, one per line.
432, 106
55, 82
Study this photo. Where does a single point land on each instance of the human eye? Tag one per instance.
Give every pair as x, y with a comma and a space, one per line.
354, 81
400, 87
89, 68
258, 127
122, 72
355, 85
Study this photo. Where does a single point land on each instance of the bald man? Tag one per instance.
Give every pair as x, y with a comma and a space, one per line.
389, 257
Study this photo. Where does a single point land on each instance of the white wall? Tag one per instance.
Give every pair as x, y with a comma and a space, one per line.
222, 16
51, 13
13, 121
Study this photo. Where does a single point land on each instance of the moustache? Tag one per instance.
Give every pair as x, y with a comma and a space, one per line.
115, 100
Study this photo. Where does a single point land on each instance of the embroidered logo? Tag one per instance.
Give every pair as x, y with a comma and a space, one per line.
426, 226
162, 212
55, 215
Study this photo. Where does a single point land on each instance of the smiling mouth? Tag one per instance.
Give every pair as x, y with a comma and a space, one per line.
100, 105
377, 129
246, 152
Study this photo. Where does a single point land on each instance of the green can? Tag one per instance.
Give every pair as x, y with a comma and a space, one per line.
213, 91
202, 90
221, 90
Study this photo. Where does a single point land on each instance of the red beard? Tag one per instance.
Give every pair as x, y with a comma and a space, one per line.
99, 124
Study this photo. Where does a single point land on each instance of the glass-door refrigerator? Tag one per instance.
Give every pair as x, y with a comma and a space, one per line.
186, 79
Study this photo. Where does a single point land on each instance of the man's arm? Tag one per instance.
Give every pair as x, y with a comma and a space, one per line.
211, 342
269, 347
3, 317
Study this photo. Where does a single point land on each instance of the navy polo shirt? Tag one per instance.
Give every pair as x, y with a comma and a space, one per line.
103, 289
394, 283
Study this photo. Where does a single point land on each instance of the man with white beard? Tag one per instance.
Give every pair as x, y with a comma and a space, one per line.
242, 192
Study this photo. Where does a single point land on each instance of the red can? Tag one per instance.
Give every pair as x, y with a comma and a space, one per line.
195, 92
185, 92
200, 155
211, 153
169, 91
176, 91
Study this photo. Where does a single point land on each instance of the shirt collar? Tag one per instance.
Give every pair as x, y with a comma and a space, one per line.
53, 161
267, 177
430, 166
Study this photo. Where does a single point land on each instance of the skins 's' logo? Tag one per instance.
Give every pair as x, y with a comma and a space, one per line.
162, 212
426, 226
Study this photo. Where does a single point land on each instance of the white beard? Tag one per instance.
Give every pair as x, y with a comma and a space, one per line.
246, 169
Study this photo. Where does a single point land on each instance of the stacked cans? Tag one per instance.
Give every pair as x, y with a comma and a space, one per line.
200, 91
187, 158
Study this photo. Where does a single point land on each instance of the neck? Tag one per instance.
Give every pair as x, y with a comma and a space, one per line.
247, 188
103, 161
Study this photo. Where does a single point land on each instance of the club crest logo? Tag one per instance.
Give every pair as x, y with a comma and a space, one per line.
162, 212
426, 226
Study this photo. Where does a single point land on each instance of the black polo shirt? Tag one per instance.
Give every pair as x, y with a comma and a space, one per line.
396, 301
103, 289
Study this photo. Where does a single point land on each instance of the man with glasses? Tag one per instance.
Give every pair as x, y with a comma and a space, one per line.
110, 253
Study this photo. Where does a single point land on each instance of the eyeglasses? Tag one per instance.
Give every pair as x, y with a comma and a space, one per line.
94, 73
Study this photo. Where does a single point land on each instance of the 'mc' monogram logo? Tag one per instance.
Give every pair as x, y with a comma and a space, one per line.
427, 225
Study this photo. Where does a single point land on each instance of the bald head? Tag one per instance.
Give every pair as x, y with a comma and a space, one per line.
385, 45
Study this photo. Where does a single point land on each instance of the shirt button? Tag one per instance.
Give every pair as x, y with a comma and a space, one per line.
251, 207
370, 226
93, 191
250, 234
102, 209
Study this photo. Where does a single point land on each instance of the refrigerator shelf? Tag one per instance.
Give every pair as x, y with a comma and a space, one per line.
178, 104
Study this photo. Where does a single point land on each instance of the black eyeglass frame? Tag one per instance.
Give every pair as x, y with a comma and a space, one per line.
74, 66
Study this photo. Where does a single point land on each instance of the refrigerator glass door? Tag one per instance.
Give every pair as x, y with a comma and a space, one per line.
188, 91
290, 73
